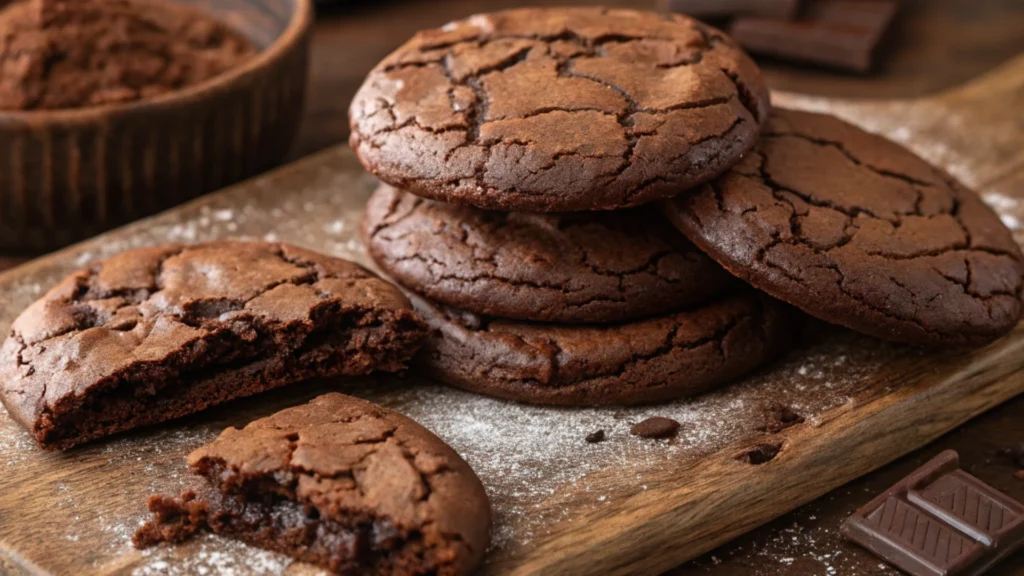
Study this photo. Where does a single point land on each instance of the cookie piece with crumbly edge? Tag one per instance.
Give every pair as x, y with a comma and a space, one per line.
576, 267
651, 360
338, 482
559, 110
159, 333
857, 230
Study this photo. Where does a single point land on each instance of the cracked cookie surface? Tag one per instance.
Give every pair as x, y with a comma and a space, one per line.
652, 360
858, 231
339, 482
558, 110
158, 333
570, 267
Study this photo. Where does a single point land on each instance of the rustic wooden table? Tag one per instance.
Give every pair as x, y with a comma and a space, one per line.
936, 44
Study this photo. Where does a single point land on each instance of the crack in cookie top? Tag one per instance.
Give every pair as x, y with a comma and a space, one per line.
568, 267
859, 231
144, 317
559, 109
651, 360
355, 463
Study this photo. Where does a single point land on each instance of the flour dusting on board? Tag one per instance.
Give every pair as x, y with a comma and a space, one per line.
535, 462
213, 556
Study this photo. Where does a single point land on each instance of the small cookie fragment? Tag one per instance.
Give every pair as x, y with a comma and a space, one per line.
158, 333
858, 231
340, 483
595, 437
559, 109
579, 267
650, 360
655, 427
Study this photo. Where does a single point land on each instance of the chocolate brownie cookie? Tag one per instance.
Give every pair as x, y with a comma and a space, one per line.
157, 333
858, 231
558, 110
341, 483
569, 267
651, 360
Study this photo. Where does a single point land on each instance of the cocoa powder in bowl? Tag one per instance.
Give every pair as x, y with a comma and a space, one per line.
76, 53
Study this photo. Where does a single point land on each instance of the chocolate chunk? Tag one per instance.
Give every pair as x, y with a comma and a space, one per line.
339, 482
837, 33
595, 437
778, 9
656, 427
939, 520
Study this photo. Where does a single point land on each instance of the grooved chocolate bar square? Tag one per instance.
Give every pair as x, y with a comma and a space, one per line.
837, 33
780, 9
940, 521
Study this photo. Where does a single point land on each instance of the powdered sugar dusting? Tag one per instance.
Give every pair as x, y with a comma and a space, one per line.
211, 556
526, 454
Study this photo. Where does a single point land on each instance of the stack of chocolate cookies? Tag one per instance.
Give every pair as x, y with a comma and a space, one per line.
530, 159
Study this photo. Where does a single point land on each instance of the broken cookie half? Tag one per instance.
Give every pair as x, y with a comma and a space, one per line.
158, 333
340, 483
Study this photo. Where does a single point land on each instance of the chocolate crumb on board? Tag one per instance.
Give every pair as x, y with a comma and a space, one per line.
655, 427
779, 418
595, 437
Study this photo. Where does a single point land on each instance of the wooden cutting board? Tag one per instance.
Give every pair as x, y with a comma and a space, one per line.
562, 506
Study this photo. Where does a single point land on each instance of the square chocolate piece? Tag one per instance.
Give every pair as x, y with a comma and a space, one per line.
837, 33
940, 521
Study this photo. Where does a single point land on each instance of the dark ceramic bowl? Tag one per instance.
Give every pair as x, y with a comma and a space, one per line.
69, 174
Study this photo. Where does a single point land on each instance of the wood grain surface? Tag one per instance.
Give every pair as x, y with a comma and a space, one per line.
71, 513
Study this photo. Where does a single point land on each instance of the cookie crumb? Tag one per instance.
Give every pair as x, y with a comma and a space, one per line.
595, 437
655, 427
761, 454
779, 418
1019, 475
